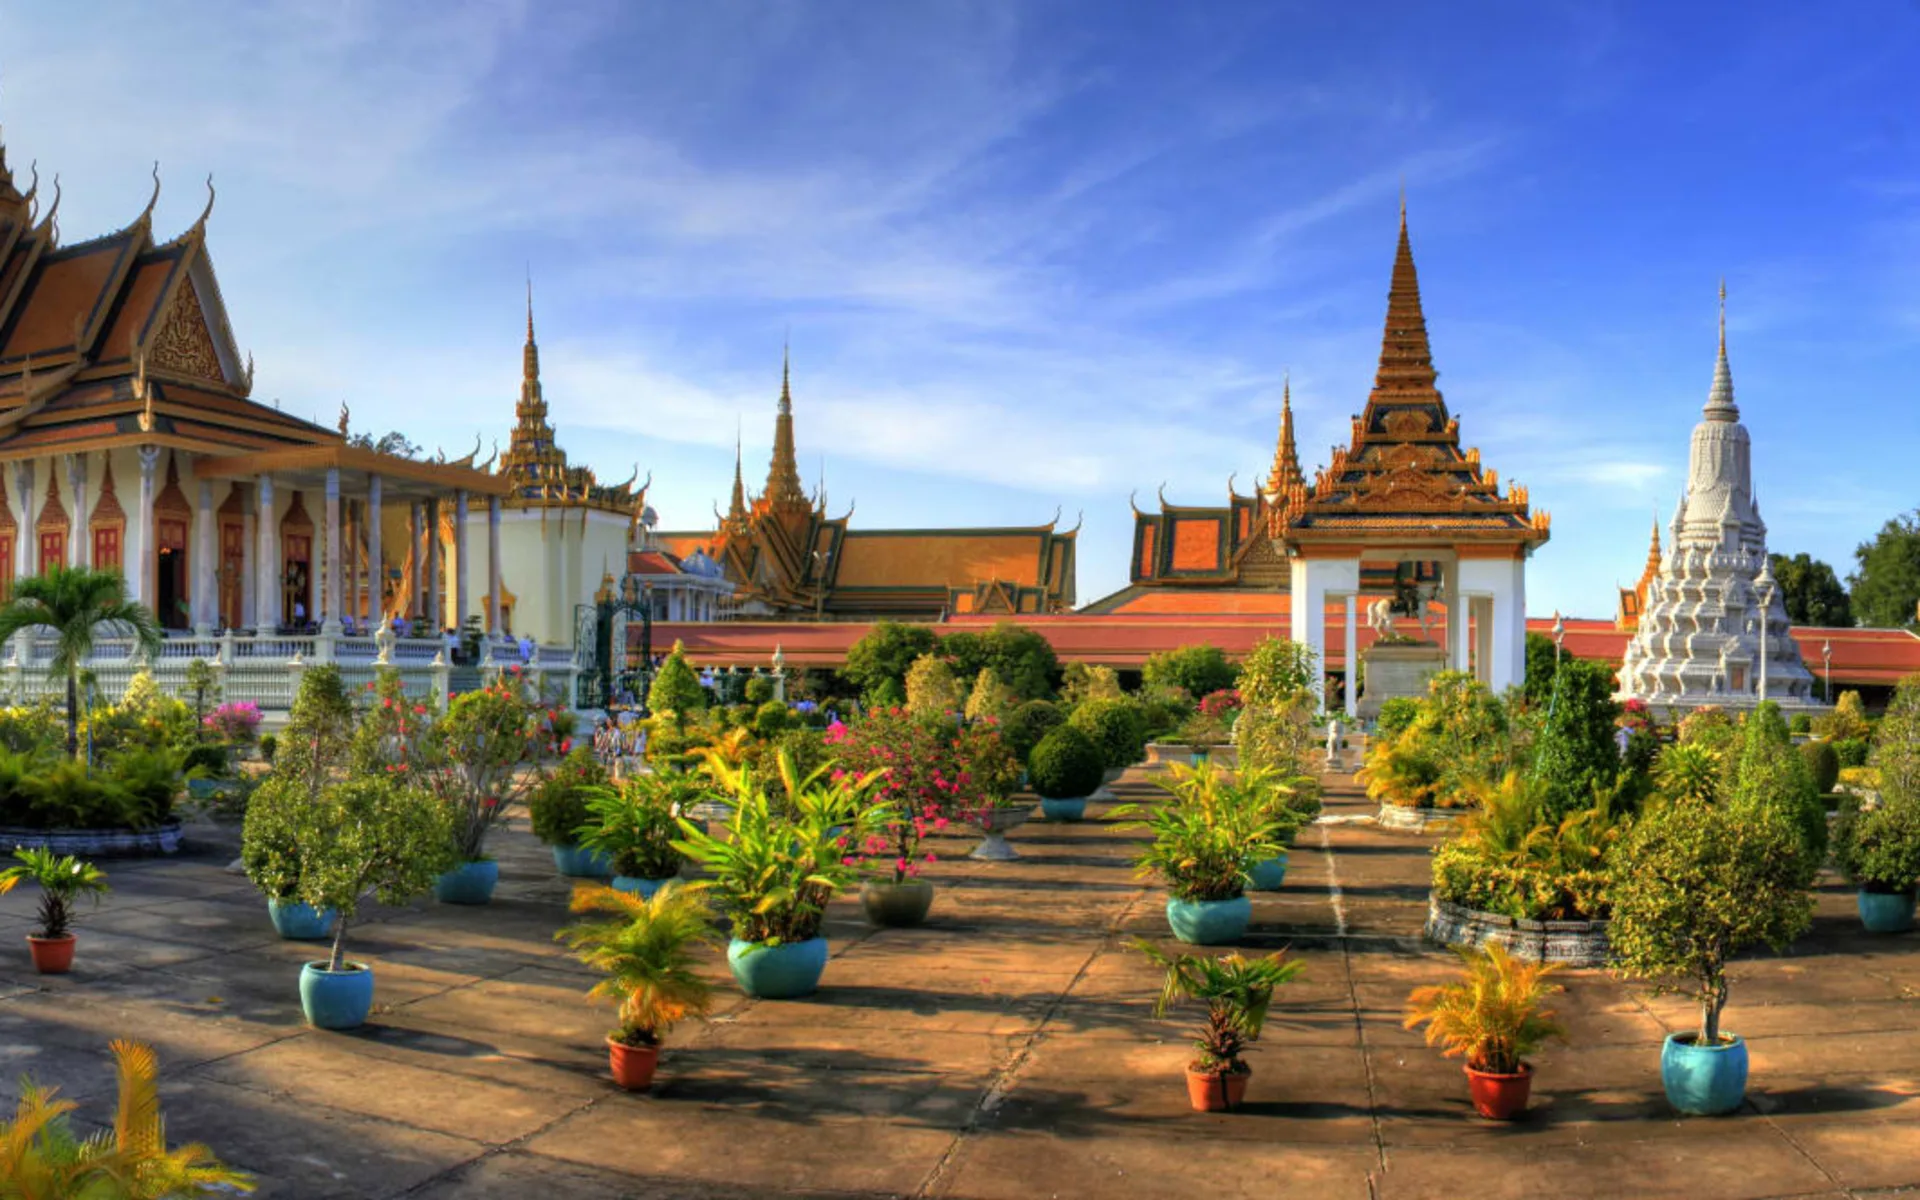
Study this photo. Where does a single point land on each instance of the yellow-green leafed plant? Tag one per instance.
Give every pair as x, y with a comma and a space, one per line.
1401, 771
40, 1159
1493, 1014
1690, 771
647, 951
1237, 991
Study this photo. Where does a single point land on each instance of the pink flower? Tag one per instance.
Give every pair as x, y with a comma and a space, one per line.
849, 861
932, 857
902, 865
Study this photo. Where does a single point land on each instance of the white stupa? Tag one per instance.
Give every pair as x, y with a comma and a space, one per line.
1714, 629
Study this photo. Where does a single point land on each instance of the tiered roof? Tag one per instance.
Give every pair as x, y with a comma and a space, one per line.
536, 468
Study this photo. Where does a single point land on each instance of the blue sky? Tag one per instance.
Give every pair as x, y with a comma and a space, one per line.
1041, 255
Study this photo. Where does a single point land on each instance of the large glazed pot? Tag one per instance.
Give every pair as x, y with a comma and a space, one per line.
336, 999
897, 905
299, 922
578, 862
1886, 912
643, 888
1500, 1097
1071, 809
995, 822
784, 972
469, 883
1268, 875
1704, 1080
1209, 922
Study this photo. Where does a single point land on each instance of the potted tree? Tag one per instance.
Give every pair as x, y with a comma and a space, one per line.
270, 855
1493, 1015
1118, 726
1064, 769
369, 833
557, 809
479, 763
1695, 884
1206, 839
774, 867
323, 741
1879, 852
1237, 992
646, 951
62, 881
633, 825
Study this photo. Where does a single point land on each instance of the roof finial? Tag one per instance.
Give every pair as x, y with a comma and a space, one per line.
529, 302
1723, 315
1720, 404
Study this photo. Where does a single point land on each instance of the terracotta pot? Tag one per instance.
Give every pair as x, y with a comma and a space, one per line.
51, 956
632, 1065
1500, 1097
1216, 1091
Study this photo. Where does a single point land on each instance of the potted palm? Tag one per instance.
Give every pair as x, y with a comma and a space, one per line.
557, 809
633, 826
370, 833
1237, 992
773, 867
1206, 838
62, 881
1878, 850
647, 953
1493, 1015
1695, 884
1064, 769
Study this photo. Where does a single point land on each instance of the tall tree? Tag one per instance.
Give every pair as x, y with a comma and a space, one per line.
1886, 588
1811, 590
877, 664
73, 602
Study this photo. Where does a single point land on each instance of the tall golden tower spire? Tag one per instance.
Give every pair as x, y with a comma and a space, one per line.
783, 473
1406, 371
1286, 459
533, 406
737, 509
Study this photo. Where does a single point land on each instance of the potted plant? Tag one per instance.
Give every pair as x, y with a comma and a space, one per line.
987, 775
62, 881
1064, 769
1205, 840
1237, 992
633, 825
369, 833
1118, 726
557, 809
1693, 885
270, 855
1879, 852
773, 872
1493, 1015
478, 763
647, 954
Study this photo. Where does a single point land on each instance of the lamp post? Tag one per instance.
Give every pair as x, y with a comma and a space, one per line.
1559, 637
1826, 660
646, 646
1765, 580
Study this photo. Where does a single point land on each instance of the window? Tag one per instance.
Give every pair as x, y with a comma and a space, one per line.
106, 547
53, 549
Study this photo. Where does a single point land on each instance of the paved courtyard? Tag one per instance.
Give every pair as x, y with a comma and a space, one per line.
1004, 1051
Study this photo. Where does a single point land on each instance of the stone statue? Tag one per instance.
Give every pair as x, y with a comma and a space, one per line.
383, 641
1380, 616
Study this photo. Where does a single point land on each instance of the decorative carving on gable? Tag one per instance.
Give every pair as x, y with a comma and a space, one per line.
1407, 422
183, 345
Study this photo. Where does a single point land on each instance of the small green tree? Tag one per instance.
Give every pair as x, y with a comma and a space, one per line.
74, 603
1768, 772
1694, 885
1275, 671
882, 657
1543, 661
1576, 751
990, 699
1085, 681
676, 690
1200, 669
1117, 726
1896, 744
1847, 720
370, 834
932, 691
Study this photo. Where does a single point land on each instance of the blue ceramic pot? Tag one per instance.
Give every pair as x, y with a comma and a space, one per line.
783, 972
1209, 922
1886, 912
1269, 875
578, 862
1704, 1080
336, 999
300, 922
468, 883
644, 888
1063, 810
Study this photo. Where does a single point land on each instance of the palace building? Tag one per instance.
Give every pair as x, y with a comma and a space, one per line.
788, 559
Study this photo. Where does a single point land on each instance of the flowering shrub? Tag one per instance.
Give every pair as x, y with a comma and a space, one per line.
1223, 703
236, 722
476, 759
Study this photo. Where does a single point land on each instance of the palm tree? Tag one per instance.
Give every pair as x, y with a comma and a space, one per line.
73, 602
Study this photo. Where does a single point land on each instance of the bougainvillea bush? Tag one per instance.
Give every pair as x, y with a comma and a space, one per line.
236, 722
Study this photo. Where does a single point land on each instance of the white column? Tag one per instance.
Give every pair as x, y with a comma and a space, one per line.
350, 564
206, 597
436, 609
462, 565
143, 521
416, 541
1353, 654
330, 599
1456, 619
267, 598
376, 564
27, 553
80, 549
493, 567
1312, 580
1504, 610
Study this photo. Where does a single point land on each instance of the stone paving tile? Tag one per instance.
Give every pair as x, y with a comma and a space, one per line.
1735, 1160
1151, 1163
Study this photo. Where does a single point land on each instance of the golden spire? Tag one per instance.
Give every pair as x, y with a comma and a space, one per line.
1406, 371
737, 509
1653, 551
532, 404
783, 473
1286, 459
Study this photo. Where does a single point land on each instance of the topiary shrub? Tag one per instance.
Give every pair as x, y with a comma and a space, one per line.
1767, 772
771, 720
759, 690
1117, 727
1197, 669
1801, 723
1396, 715
1065, 765
269, 746
1878, 850
1823, 762
1027, 724
1852, 752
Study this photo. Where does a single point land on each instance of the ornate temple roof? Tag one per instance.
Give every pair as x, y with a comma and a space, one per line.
1404, 475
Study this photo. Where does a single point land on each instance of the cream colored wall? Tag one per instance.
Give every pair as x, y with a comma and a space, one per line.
549, 565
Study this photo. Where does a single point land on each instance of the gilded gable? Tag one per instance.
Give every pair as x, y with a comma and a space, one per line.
184, 345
